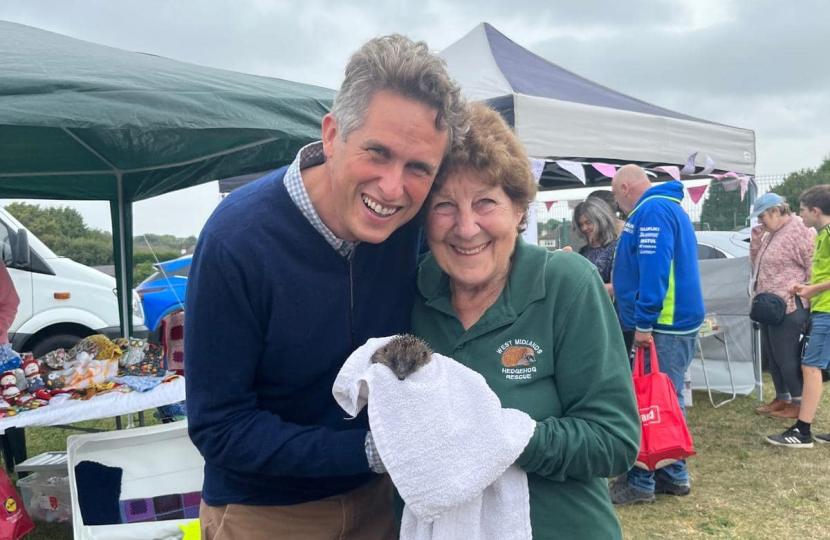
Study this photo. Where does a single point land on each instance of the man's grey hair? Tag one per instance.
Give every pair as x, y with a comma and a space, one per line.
598, 212
408, 68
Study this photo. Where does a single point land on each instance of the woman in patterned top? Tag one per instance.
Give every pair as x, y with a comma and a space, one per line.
781, 252
594, 221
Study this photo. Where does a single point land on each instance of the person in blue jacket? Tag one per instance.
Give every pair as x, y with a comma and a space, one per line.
657, 286
291, 274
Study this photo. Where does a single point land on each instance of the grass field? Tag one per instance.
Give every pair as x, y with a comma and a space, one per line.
742, 488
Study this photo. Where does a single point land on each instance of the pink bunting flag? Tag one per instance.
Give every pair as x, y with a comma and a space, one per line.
548, 204
605, 169
744, 180
696, 193
731, 185
689, 167
574, 168
537, 166
671, 170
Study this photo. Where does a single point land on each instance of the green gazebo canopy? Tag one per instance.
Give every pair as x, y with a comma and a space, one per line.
81, 121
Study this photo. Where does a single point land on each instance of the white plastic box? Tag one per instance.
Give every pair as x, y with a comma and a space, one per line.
46, 496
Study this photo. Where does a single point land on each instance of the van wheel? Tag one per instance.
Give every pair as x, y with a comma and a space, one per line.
55, 341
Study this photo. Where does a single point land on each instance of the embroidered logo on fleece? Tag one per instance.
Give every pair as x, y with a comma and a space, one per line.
518, 357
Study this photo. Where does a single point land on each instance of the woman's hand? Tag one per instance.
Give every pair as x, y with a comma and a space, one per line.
610, 288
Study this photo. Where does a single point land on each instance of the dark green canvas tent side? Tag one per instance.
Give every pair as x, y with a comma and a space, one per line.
81, 121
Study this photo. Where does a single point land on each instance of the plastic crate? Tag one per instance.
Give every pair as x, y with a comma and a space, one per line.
46, 496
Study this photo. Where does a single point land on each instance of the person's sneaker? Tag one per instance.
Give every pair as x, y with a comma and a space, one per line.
667, 487
624, 494
773, 406
823, 438
790, 412
791, 438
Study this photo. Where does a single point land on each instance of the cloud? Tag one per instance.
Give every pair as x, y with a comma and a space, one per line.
755, 64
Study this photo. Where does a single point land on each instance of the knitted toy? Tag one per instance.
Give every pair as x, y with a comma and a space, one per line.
31, 368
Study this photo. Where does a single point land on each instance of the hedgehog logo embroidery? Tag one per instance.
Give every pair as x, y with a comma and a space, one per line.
518, 357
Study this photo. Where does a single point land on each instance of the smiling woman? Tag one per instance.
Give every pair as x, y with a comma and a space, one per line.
537, 325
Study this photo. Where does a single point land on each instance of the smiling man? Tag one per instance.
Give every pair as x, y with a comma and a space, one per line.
291, 274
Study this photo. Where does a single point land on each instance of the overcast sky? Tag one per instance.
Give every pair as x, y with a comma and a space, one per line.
757, 64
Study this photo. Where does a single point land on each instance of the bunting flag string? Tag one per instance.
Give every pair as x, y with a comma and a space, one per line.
549, 204
730, 180
537, 166
730, 185
605, 169
710, 166
689, 167
574, 168
696, 193
671, 170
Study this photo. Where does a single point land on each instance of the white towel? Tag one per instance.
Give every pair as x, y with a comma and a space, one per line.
448, 445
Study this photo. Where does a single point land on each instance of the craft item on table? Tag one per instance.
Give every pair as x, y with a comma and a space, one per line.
153, 364
132, 350
11, 393
85, 345
54, 359
43, 394
89, 392
8, 378
139, 384
99, 491
54, 381
161, 508
9, 359
174, 341
27, 402
98, 346
34, 379
83, 371
22, 383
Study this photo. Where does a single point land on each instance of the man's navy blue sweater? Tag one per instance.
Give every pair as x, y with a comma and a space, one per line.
272, 313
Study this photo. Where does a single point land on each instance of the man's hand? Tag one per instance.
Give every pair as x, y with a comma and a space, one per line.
610, 288
643, 339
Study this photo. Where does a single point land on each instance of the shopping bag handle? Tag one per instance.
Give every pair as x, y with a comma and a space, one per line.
640, 361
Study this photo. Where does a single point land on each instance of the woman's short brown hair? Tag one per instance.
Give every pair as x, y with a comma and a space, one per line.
492, 150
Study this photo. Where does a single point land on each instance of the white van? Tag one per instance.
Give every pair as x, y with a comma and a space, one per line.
61, 301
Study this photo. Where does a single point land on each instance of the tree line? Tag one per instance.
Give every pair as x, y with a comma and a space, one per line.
64, 231
725, 211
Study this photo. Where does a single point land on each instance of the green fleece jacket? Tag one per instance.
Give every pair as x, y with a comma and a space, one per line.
550, 346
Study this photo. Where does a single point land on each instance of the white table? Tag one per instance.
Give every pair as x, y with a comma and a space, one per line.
105, 405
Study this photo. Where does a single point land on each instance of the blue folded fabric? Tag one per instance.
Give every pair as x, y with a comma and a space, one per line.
139, 384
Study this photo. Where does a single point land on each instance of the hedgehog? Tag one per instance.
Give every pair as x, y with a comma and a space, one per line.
404, 355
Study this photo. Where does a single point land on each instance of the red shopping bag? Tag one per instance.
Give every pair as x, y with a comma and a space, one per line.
14, 521
665, 438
